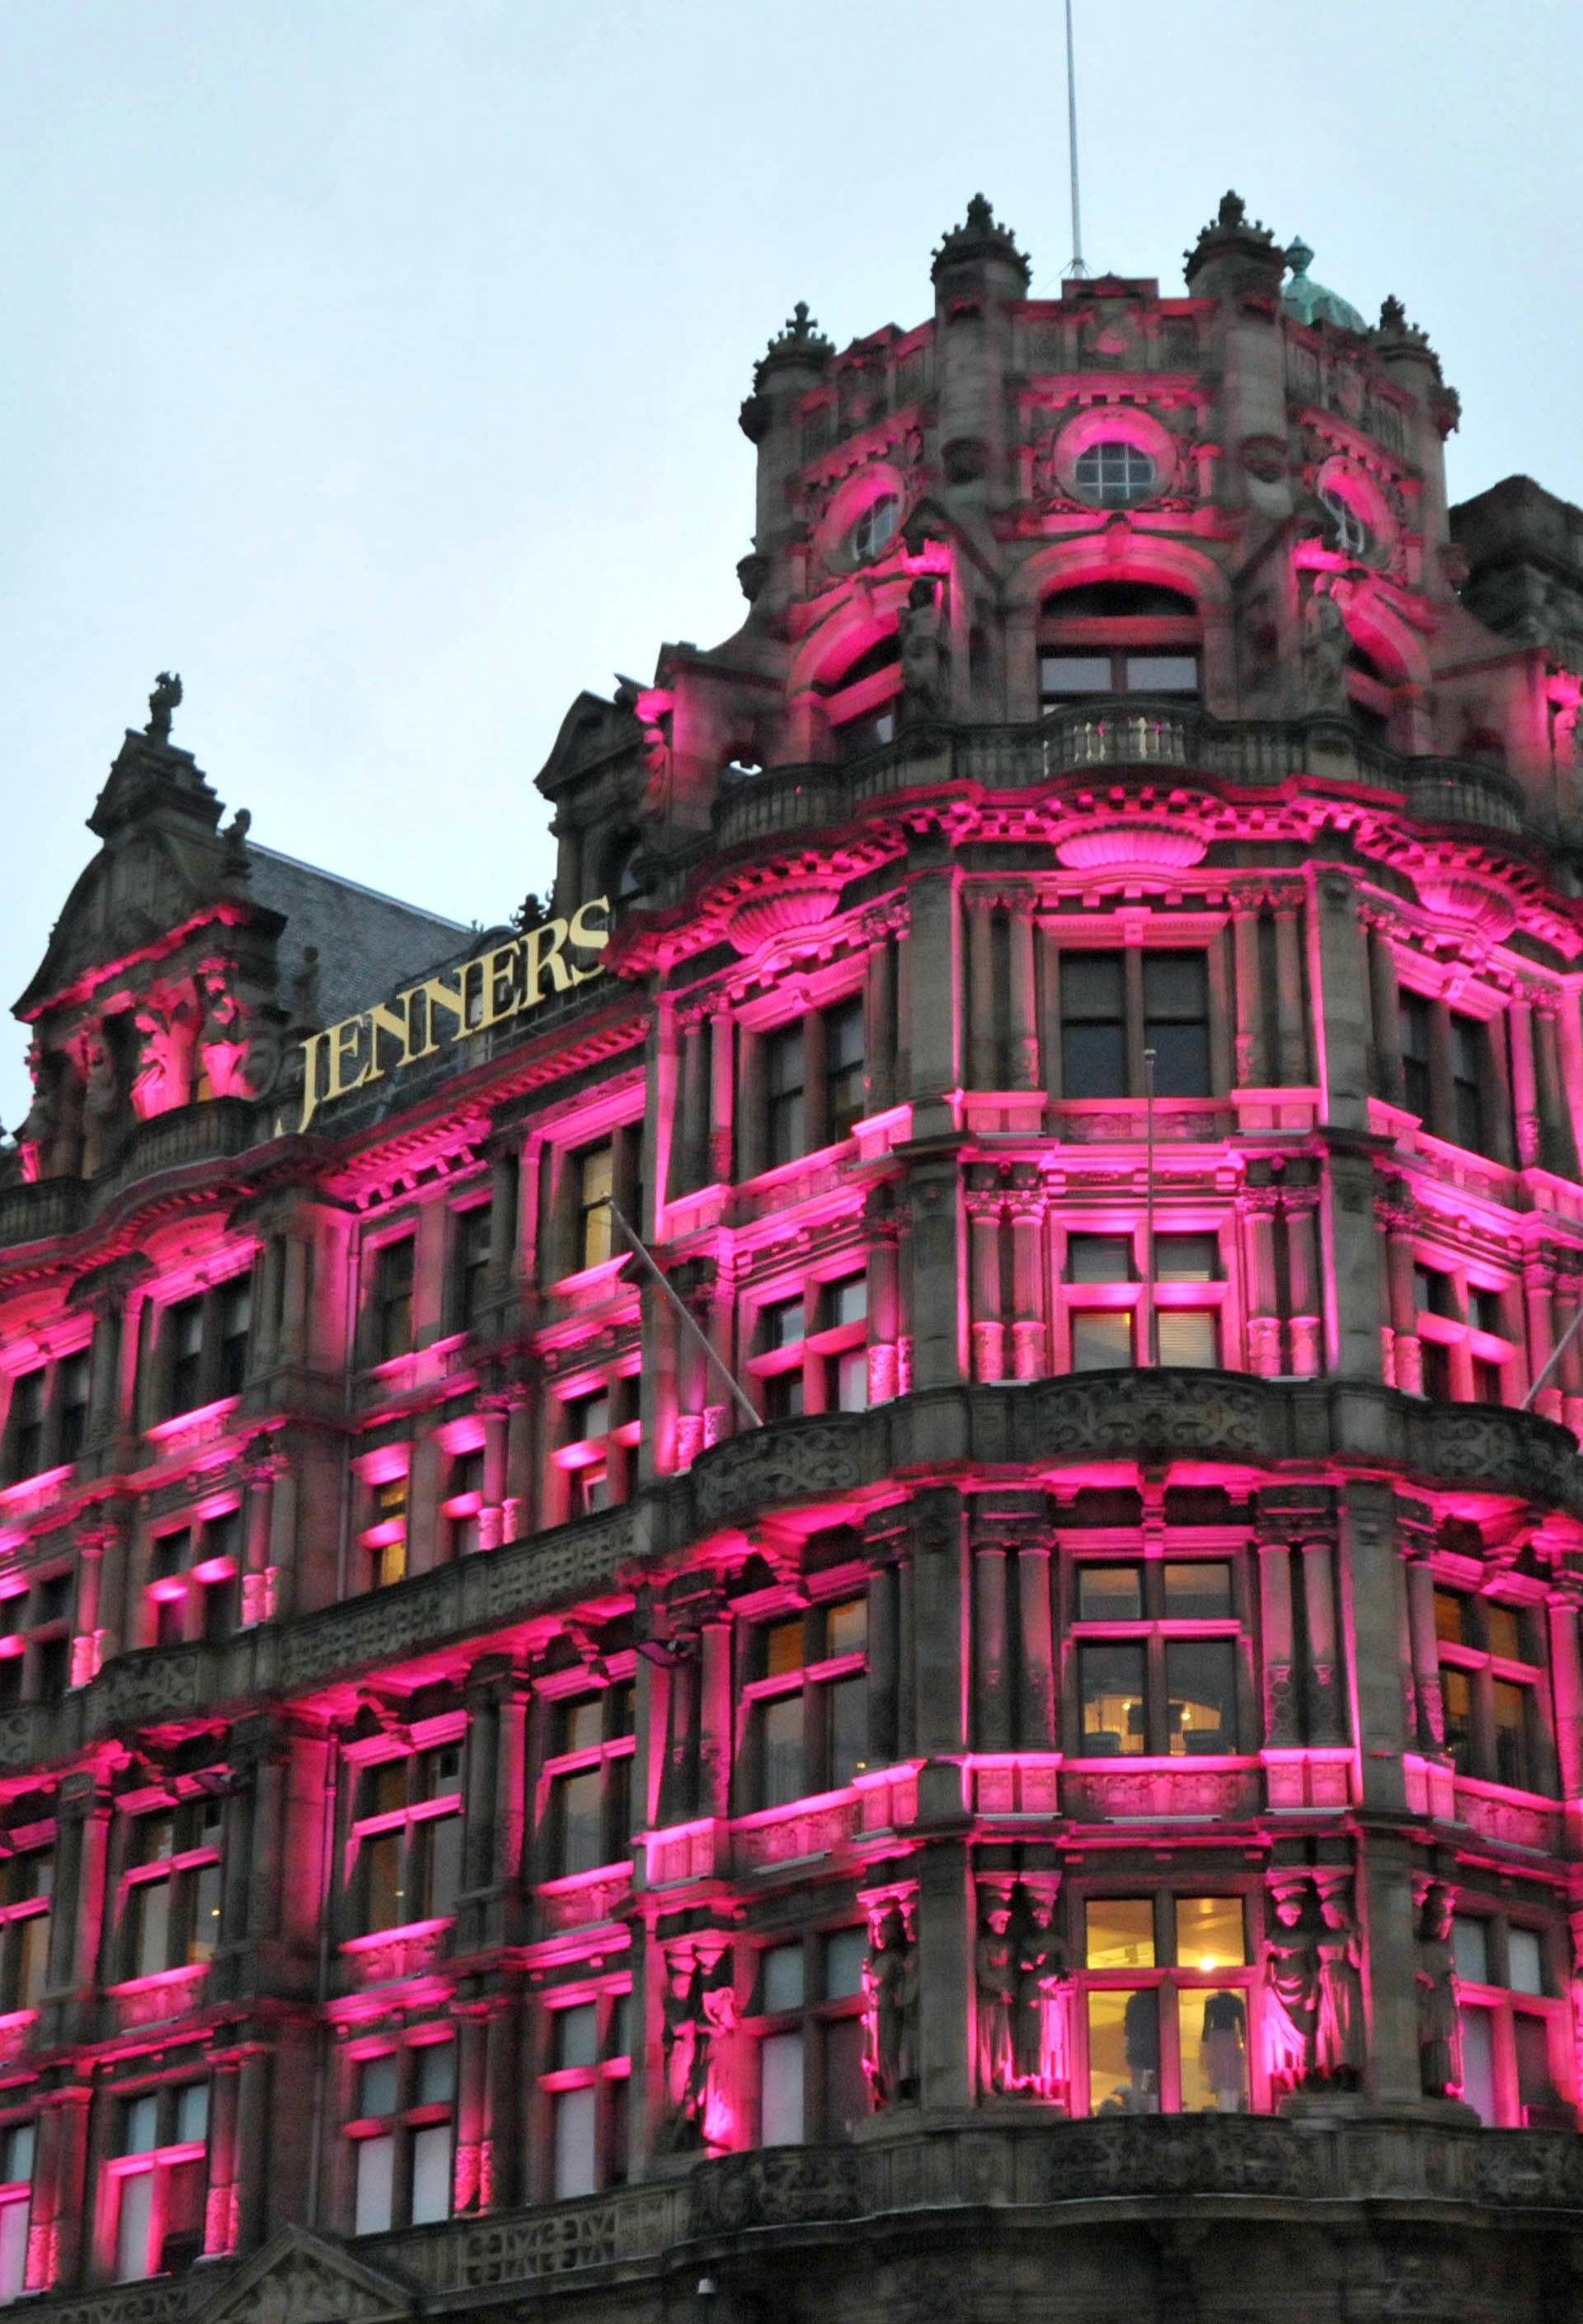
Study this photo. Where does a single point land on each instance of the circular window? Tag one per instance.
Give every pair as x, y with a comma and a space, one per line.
1112, 474
876, 529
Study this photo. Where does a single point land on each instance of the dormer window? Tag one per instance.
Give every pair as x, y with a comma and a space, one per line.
1112, 474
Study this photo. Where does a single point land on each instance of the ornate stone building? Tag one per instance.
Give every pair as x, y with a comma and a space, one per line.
995, 1731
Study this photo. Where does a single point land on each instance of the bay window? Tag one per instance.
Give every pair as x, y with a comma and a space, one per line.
1449, 1073
46, 1418
807, 2026
812, 1086
812, 1352
1106, 1305
203, 1346
1166, 1996
406, 1839
1156, 1645
1467, 1335
193, 1585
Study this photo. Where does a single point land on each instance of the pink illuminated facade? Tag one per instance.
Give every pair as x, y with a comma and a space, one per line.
1017, 1720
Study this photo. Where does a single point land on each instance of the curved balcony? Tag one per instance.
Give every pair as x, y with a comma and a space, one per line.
1124, 733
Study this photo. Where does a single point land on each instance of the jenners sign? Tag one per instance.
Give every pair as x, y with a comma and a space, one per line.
507, 980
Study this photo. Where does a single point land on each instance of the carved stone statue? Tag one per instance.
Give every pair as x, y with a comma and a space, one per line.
699, 2008
1041, 2045
890, 1985
994, 1970
1338, 2042
101, 1102
1439, 2032
233, 864
1325, 644
1291, 1977
40, 1133
165, 698
925, 682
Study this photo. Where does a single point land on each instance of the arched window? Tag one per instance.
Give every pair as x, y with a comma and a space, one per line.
861, 696
1105, 638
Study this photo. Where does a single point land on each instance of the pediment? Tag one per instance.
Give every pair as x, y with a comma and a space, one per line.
299, 2278
130, 895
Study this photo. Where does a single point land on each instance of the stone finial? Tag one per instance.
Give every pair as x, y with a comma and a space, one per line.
1393, 314
799, 340
165, 698
1229, 223
980, 235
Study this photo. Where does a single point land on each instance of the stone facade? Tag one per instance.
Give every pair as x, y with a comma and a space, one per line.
989, 1724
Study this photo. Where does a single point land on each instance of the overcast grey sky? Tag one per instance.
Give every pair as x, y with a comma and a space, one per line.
376, 363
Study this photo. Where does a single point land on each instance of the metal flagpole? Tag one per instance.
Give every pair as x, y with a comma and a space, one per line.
1151, 1315
1556, 1353
1076, 270
711, 1355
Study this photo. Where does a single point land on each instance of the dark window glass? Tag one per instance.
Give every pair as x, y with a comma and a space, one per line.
54, 1668
1110, 1680
844, 1066
472, 1236
786, 1120
393, 1298
1093, 1025
1514, 1754
783, 1738
27, 1424
1113, 474
235, 1323
71, 1388
1457, 1691
184, 1323
1485, 1310
783, 1398
1415, 1050
1469, 1051
1110, 1593
1176, 1021
1199, 1682
1437, 1371
1068, 678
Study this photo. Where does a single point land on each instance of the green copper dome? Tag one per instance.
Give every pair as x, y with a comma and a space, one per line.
1311, 301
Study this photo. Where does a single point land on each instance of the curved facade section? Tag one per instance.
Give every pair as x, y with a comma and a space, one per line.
847, 1575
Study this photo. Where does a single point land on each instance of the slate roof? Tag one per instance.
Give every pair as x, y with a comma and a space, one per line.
367, 943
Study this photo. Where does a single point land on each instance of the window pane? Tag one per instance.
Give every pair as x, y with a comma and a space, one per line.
1478, 2063
1162, 673
781, 1323
1514, 1759
845, 2088
32, 1953
375, 2184
1197, 1590
434, 2073
1111, 1680
1451, 1618
1199, 1701
1120, 1933
206, 1913
151, 1925
1504, 1627
852, 1380
133, 2219
578, 1801
576, 2035
848, 1701
1099, 1258
846, 1951
443, 1848
1524, 1962
1456, 1693
783, 1750
378, 2083
848, 1300
1092, 1061
382, 1882
16, 2153
140, 2125
847, 1631
1213, 2052
781, 2089
1124, 2052
1209, 1932
1110, 1593
432, 2173
1064, 677
191, 2124
1535, 2080
784, 1648
781, 1980
575, 2155
1190, 1336
13, 2219
1187, 1259
1102, 1339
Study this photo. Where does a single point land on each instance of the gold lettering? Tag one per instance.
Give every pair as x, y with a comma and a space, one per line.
344, 1038
311, 1048
501, 996
590, 939
437, 995
539, 954
381, 1019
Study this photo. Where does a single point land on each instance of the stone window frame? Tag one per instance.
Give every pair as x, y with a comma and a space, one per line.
809, 2028
185, 1569
1468, 1343
606, 2073
159, 2162
593, 1469
42, 1645
1445, 998
1155, 1629
1134, 935
61, 1437
1485, 1667
568, 1258
467, 1275
421, 1873
461, 1498
403, 2124
1170, 1978
816, 1358
220, 1358
385, 1487
1216, 1295
387, 1325
611, 1758
1503, 2006
26, 1921
768, 1677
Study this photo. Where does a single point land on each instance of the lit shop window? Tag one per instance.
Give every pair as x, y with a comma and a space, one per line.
599, 1432
1114, 1005
46, 1417
808, 2024
813, 1082
1155, 1643
584, 2092
156, 2180
16, 2193
171, 1889
1465, 1332
402, 2137
813, 1350
27, 1882
1103, 639
1106, 1305
587, 1779
407, 1839
388, 1320
1166, 1998
1515, 2036
385, 1532
808, 1702
1448, 1071
471, 1244
202, 1347
35, 1641
1493, 1679
463, 1502
193, 1582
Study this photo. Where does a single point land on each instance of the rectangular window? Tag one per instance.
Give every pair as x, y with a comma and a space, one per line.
386, 1536
473, 1231
1094, 1024
1516, 2038
1469, 1078
16, 2174
1166, 1988
1414, 1033
26, 1425
158, 2181
844, 1069
71, 1388
808, 2026
464, 1503
809, 1701
586, 1806
1176, 1021
407, 1839
27, 1882
402, 2137
1494, 1689
234, 1305
184, 1331
171, 1889
786, 1117
812, 1352
814, 1082
594, 1172
585, 2093
391, 1314
1153, 1677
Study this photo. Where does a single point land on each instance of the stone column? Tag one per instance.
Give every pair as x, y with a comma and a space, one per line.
1300, 1207
887, 1547
987, 1328
716, 1718
472, 2171
1290, 1040
879, 1021
261, 1468
1250, 1061
1257, 1207
1524, 1085
983, 1016
1022, 1011
722, 1096
1559, 1067
939, 1640
88, 1637
1378, 1619
1326, 1675
255, 2074
1281, 1727
934, 1001
220, 2205
1030, 1344
76, 1911
517, 1514
1539, 1282
690, 1156
1035, 1649
1385, 994
494, 1412
1343, 1007
1385, 1890
992, 1726
1430, 1713
945, 1975
1562, 1606
932, 1184
60, 2222
884, 1318
1406, 1369
1353, 1246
